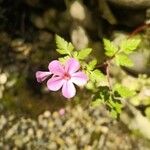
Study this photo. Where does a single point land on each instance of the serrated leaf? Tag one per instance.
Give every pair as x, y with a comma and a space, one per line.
129, 45
63, 59
104, 93
110, 48
63, 47
92, 64
115, 107
123, 60
70, 47
97, 75
90, 86
62, 51
96, 103
101, 96
124, 91
61, 43
75, 55
84, 53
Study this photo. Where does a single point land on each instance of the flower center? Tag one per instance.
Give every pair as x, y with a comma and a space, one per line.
67, 76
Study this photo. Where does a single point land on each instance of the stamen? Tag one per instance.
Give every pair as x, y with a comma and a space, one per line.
67, 76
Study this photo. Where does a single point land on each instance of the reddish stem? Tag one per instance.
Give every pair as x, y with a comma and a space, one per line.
108, 74
139, 29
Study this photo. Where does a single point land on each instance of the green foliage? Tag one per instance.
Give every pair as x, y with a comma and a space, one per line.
106, 95
90, 86
63, 59
101, 96
115, 107
110, 48
123, 91
123, 60
97, 102
63, 47
84, 53
97, 75
129, 45
121, 53
92, 64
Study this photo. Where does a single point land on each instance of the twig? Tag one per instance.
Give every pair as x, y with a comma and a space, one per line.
139, 29
108, 75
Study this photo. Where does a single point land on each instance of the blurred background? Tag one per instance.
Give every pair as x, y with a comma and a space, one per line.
30, 115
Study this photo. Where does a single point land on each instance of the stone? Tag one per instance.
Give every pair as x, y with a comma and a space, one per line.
79, 37
3, 78
47, 114
77, 11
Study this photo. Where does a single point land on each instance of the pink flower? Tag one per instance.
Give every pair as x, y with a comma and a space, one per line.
42, 75
62, 111
65, 76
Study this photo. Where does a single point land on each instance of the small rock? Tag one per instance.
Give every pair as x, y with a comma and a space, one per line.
77, 11
3, 78
79, 37
30, 132
3, 121
52, 146
39, 133
47, 114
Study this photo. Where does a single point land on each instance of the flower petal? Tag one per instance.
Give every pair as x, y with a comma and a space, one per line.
68, 89
42, 75
55, 83
56, 67
72, 65
79, 78
62, 111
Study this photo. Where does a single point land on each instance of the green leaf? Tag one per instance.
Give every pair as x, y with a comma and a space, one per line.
104, 96
96, 102
90, 86
114, 114
129, 45
92, 64
63, 47
101, 96
63, 59
104, 93
110, 48
97, 75
124, 91
61, 43
84, 53
62, 51
70, 47
123, 60
75, 55
115, 107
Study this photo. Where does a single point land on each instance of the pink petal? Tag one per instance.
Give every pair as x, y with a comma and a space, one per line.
56, 67
68, 89
72, 65
62, 111
79, 78
42, 75
55, 83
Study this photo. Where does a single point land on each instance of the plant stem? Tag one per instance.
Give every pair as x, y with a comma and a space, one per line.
139, 29
108, 74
